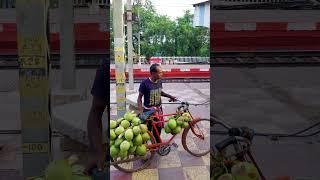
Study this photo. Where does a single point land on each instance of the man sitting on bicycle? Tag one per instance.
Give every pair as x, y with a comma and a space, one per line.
151, 91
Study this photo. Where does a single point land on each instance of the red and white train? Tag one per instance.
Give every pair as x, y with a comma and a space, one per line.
91, 31
252, 30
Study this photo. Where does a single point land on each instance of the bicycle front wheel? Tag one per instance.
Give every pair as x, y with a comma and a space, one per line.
196, 138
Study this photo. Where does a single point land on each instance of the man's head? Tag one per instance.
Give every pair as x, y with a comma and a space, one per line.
156, 71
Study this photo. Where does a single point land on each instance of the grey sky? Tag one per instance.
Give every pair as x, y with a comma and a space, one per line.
172, 8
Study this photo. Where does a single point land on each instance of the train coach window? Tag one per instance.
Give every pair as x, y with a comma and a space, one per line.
7, 3
54, 4
3, 3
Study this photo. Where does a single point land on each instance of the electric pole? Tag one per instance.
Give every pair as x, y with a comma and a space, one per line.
33, 84
130, 46
139, 6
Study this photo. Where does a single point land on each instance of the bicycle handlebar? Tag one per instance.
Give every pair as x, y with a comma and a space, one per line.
183, 105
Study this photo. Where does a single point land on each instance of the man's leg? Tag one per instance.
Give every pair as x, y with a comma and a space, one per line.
94, 128
94, 124
151, 129
159, 131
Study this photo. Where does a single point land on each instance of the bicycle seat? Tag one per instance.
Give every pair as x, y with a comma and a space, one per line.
223, 144
145, 115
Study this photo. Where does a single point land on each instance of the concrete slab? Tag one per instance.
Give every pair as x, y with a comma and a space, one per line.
71, 120
59, 96
132, 99
10, 153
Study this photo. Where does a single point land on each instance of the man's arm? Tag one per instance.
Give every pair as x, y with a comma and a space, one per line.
168, 96
139, 102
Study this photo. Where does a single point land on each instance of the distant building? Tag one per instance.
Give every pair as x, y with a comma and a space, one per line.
257, 2
202, 14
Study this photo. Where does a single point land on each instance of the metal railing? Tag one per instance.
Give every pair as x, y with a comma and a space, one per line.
180, 60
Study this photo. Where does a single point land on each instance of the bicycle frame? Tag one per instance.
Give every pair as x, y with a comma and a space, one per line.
247, 151
160, 117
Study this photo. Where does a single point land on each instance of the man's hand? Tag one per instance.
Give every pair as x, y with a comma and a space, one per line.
140, 112
172, 99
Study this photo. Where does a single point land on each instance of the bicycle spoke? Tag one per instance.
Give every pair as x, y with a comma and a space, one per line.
196, 139
192, 145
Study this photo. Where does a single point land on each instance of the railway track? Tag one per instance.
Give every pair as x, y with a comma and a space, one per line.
174, 80
265, 59
82, 61
217, 59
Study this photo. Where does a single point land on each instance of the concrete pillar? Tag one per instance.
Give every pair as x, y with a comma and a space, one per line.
67, 58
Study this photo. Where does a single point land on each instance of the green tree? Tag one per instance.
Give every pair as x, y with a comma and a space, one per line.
161, 35
191, 41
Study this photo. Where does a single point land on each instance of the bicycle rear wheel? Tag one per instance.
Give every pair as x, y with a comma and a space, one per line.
196, 138
139, 164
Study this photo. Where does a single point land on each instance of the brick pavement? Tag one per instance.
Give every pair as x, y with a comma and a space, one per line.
178, 165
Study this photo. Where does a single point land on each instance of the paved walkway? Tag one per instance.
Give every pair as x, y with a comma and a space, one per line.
178, 165
273, 100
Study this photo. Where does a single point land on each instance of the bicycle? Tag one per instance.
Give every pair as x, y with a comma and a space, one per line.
164, 147
240, 139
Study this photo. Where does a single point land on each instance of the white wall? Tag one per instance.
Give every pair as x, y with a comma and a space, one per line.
205, 20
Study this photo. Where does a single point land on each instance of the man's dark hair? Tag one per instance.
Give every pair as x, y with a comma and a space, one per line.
153, 68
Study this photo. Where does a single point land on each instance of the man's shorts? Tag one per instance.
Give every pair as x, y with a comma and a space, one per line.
146, 113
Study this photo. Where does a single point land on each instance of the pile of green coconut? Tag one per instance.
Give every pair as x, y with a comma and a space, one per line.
128, 137
177, 122
221, 169
64, 169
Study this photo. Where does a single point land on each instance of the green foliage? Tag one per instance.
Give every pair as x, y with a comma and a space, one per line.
159, 35
66, 169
